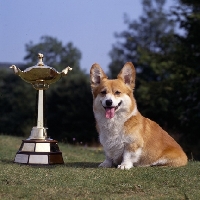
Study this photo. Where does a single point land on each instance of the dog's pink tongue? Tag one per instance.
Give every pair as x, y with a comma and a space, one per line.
110, 112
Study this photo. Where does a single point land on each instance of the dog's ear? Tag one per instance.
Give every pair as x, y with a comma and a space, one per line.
96, 75
127, 74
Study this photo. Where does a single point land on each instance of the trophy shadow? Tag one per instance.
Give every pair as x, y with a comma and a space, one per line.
82, 164
7, 161
66, 164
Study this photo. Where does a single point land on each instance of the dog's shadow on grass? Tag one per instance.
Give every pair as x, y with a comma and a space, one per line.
82, 164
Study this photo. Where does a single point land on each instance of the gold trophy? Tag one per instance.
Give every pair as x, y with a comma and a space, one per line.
39, 148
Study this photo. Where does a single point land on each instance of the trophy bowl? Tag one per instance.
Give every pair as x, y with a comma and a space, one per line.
39, 148
40, 75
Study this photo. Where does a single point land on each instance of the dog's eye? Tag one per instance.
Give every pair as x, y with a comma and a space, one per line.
103, 92
117, 92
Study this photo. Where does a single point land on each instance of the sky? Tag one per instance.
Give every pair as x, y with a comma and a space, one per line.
89, 24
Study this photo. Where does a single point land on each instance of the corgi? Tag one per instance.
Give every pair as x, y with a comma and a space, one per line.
128, 138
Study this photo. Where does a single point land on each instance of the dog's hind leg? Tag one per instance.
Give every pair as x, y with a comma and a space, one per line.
172, 158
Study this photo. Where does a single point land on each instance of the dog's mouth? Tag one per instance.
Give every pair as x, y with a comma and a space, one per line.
110, 110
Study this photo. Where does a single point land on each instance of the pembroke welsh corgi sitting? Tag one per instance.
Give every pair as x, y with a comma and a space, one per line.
128, 138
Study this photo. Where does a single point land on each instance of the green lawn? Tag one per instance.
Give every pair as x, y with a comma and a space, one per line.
80, 178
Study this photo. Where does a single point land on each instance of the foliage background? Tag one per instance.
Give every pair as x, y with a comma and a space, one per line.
163, 45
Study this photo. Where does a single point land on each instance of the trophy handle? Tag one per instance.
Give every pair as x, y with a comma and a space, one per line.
65, 71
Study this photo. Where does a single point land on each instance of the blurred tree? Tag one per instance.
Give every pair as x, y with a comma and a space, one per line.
16, 105
167, 64
70, 114
145, 38
147, 43
69, 101
55, 54
186, 67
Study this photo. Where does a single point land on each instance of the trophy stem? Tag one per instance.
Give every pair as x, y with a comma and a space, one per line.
39, 131
38, 108
40, 118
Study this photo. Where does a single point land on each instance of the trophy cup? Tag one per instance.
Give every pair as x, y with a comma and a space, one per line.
39, 148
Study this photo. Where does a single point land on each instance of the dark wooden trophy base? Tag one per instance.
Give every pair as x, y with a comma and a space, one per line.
33, 151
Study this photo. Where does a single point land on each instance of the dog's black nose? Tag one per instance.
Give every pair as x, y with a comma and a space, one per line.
109, 102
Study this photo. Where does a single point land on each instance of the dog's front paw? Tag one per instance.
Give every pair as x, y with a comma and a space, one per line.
125, 166
106, 164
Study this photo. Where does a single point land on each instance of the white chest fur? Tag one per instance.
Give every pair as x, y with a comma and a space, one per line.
112, 137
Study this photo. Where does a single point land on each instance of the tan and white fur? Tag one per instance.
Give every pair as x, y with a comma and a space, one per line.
128, 138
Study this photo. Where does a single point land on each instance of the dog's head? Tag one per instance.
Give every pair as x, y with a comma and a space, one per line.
113, 96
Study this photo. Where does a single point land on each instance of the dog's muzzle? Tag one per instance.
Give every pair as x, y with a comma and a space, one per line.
110, 110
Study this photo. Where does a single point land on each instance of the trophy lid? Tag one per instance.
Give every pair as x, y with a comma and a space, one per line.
40, 64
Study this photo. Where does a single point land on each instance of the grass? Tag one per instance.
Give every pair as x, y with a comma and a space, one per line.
80, 178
